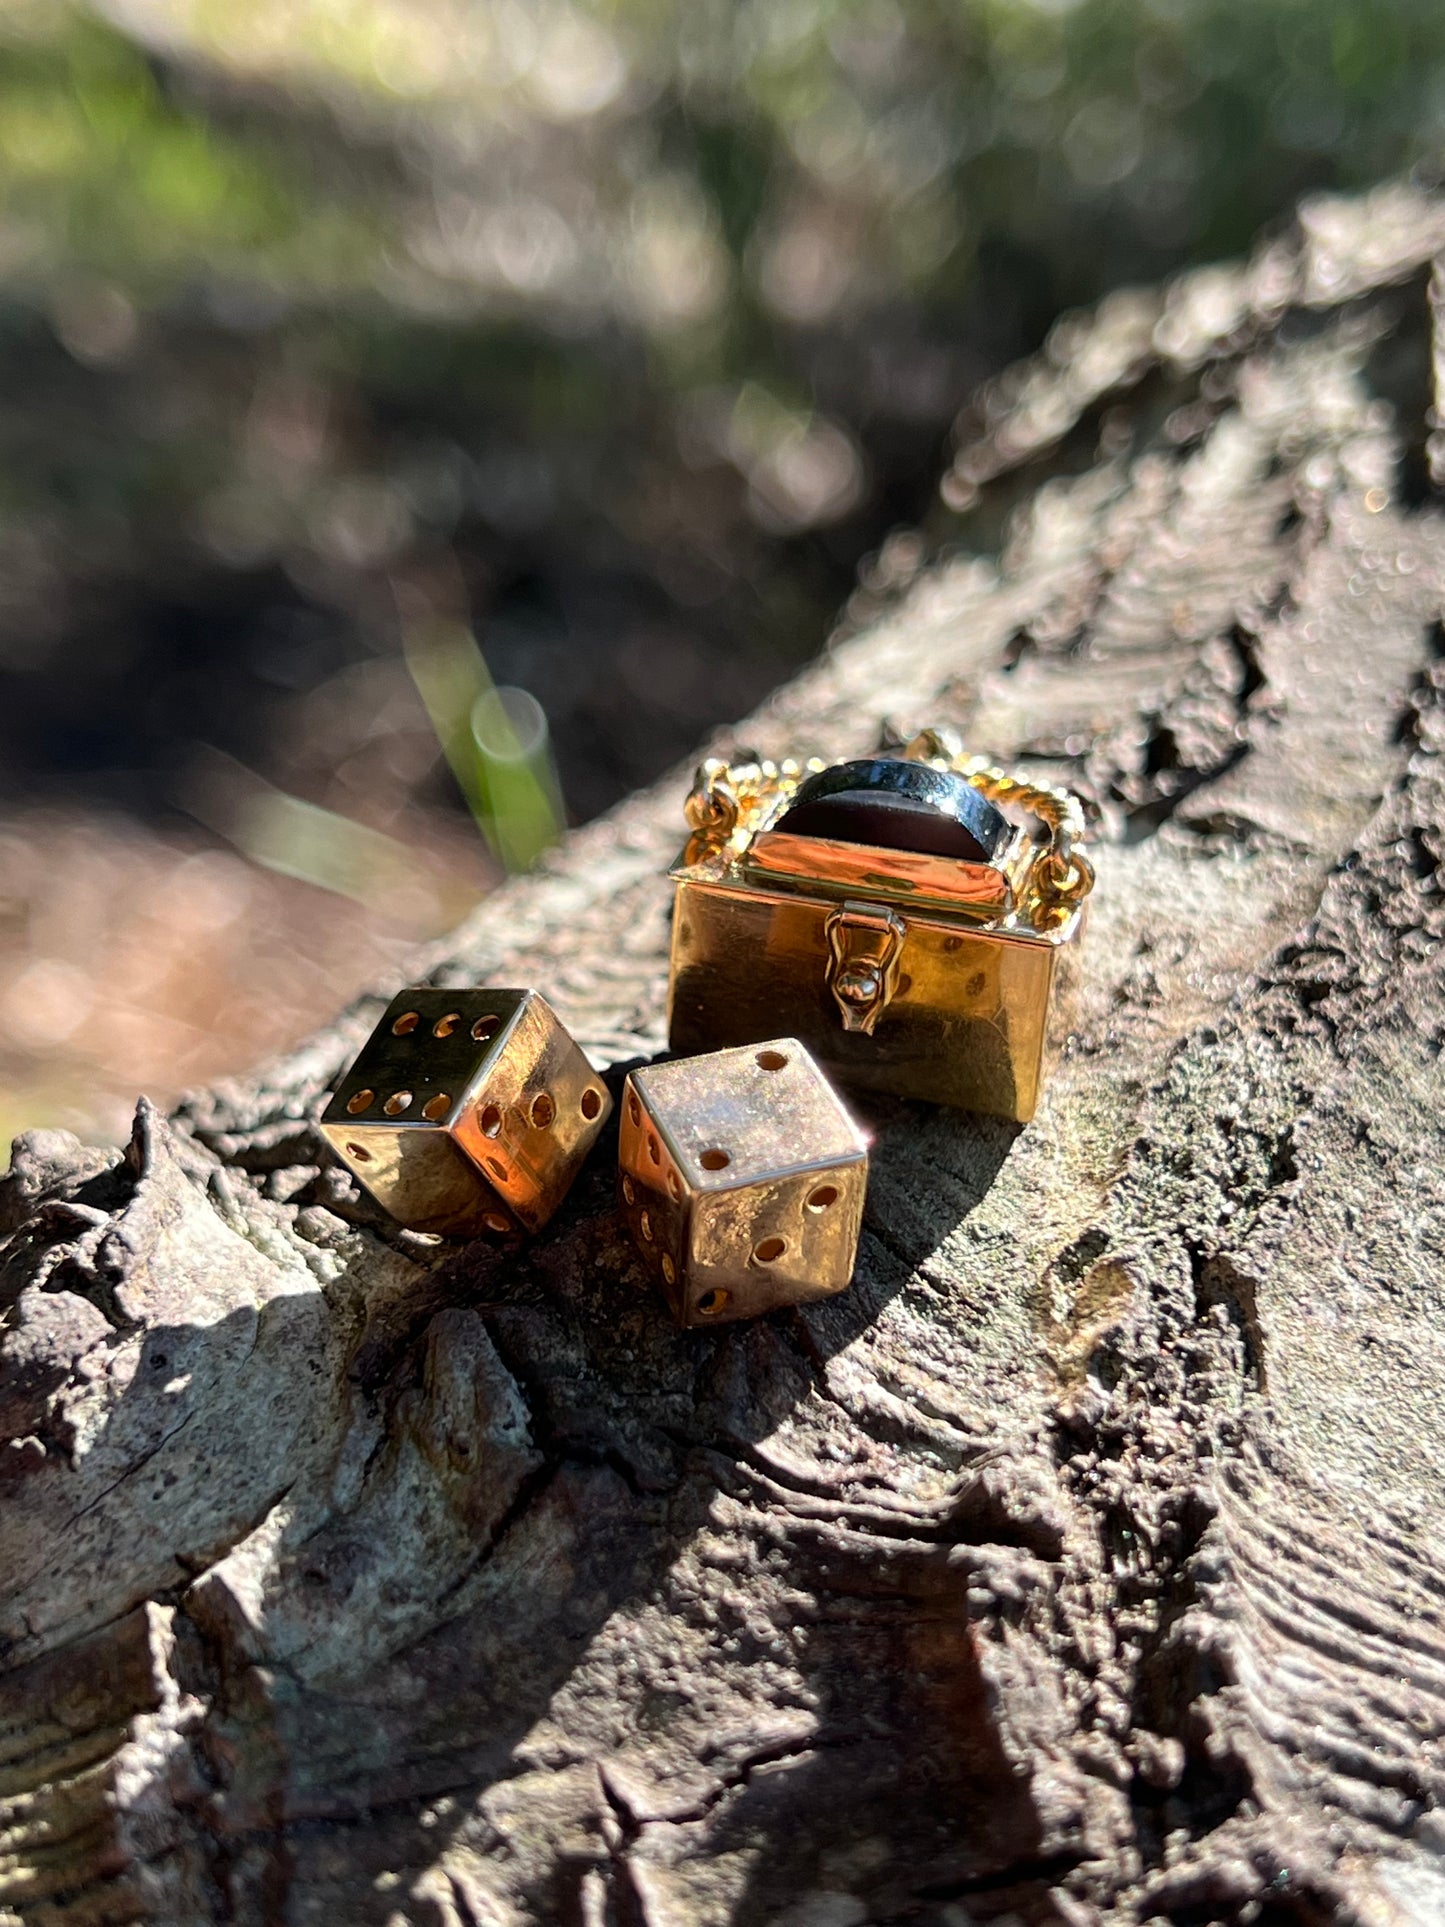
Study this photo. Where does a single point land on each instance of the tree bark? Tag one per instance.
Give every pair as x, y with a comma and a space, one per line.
1082, 1563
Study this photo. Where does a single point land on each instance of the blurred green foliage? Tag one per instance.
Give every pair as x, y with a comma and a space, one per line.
797, 159
104, 172
649, 316
495, 743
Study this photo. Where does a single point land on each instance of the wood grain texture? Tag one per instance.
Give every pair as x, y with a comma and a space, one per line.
1083, 1563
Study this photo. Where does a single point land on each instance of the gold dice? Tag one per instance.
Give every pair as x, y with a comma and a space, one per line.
468, 1111
743, 1177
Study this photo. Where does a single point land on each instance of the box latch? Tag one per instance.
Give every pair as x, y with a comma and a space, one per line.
865, 943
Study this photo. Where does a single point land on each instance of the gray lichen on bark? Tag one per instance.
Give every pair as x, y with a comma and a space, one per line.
1082, 1563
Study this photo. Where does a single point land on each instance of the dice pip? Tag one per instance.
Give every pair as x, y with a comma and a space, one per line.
742, 1179
468, 1111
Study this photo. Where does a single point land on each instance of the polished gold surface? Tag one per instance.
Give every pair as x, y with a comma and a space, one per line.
927, 981
742, 1179
848, 868
468, 1112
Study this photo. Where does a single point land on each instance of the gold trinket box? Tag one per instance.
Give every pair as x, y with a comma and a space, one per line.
908, 918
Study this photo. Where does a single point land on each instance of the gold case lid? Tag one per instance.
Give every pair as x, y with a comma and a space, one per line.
1033, 889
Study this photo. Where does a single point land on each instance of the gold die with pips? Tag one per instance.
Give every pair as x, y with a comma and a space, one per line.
467, 1111
742, 1179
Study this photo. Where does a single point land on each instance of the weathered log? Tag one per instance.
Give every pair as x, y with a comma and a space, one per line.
1082, 1563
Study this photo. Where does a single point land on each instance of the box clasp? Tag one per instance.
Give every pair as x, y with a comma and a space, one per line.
865, 942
